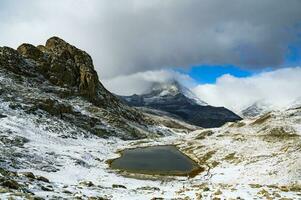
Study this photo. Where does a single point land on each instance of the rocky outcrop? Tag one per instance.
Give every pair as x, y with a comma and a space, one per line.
30, 51
64, 65
59, 80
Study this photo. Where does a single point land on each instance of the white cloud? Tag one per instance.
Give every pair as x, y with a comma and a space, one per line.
280, 88
129, 36
141, 82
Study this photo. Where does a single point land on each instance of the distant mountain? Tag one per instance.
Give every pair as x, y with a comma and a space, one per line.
180, 102
256, 109
263, 106
296, 103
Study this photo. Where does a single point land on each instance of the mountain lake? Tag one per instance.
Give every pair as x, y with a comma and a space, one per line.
156, 160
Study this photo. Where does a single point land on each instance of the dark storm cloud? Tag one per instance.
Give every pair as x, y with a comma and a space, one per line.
129, 36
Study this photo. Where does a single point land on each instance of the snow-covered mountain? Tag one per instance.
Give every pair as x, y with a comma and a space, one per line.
59, 126
173, 88
180, 102
295, 104
257, 108
261, 107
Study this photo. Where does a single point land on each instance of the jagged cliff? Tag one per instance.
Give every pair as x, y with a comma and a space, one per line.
59, 80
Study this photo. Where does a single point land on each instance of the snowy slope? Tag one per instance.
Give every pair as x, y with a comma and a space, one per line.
55, 144
261, 107
257, 108
258, 158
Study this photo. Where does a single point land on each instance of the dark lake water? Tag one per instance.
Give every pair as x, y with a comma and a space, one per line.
163, 160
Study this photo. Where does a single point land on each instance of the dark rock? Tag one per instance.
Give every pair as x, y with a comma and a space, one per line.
37, 198
14, 141
46, 188
25, 190
118, 186
28, 175
87, 183
2, 116
12, 184
67, 192
53, 107
42, 178
149, 188
3, 172
97, 198
11, 60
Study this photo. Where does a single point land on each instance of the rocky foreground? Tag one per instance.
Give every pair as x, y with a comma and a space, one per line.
255, 158
59, 126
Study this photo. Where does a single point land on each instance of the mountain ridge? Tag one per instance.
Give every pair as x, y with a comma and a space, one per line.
172, 98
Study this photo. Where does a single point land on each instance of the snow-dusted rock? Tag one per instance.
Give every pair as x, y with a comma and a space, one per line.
180, 102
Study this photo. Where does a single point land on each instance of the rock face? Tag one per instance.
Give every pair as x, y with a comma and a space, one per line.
59, 79
11, 60
64, 65
179, 102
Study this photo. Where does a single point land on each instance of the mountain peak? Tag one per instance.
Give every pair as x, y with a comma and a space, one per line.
173, 88
64, 65
179, 102
166, 88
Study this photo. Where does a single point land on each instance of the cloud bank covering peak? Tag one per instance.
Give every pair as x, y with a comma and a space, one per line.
130, 36
142, 82
279, 88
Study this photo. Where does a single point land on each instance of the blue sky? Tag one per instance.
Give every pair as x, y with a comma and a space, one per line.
294, 54
209, 73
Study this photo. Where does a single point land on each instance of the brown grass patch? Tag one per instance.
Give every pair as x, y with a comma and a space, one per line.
262, 119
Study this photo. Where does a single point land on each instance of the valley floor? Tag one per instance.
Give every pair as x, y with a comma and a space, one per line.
251, 159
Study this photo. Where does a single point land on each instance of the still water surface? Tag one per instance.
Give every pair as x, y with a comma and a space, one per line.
167, 160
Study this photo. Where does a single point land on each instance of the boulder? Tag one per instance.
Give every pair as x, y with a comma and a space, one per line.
54, 107
72, 66
30, 51
43, 179
12, 184
59, 62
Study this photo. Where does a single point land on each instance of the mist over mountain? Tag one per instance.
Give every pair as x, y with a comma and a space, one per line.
179, 101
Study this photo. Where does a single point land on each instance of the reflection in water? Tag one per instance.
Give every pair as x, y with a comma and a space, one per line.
164, 160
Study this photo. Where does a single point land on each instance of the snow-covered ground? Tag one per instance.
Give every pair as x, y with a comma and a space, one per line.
259, 158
